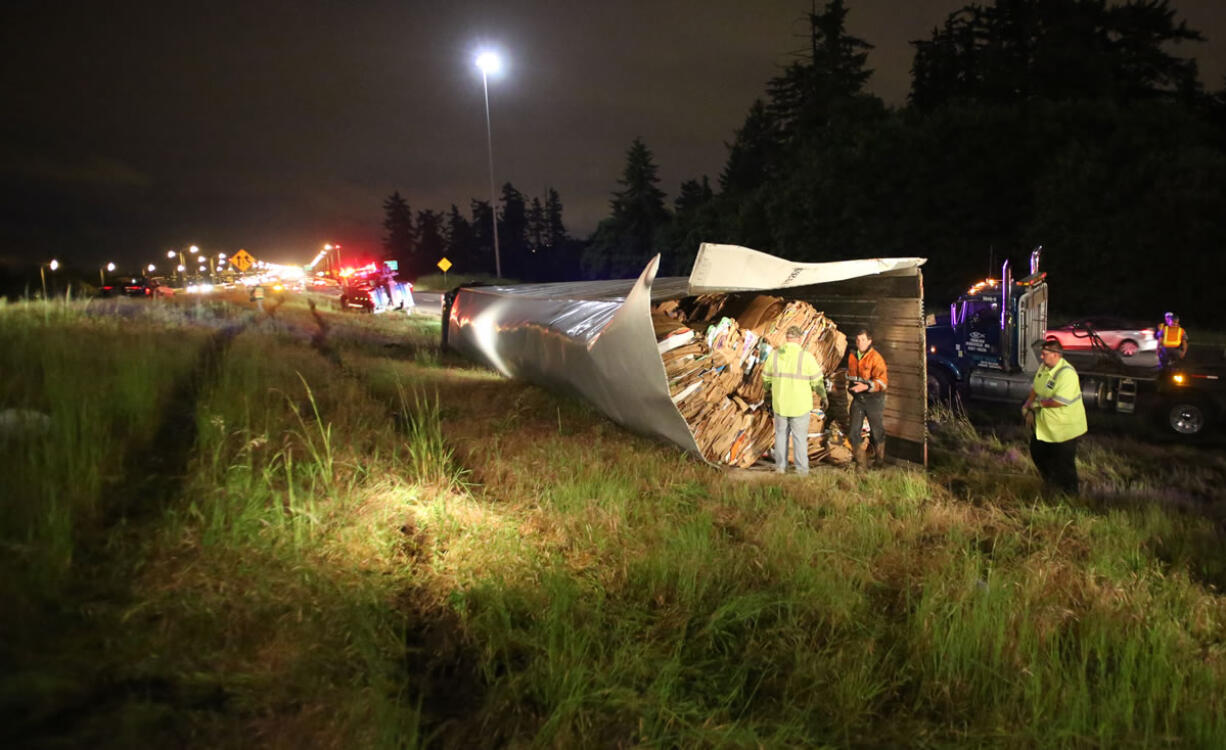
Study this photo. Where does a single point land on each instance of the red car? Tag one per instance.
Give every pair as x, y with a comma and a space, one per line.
131, 286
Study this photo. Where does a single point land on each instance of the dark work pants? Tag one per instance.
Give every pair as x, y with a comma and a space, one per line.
1168, 357
871, 405
1057, 463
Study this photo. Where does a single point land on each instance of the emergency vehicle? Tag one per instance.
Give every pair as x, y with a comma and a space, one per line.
373, 288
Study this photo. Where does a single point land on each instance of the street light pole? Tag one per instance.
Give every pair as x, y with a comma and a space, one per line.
54, 264
489, 62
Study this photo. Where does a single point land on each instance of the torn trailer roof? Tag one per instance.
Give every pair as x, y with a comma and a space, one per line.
596, 338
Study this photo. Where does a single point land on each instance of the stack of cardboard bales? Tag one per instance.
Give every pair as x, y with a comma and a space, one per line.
715, 348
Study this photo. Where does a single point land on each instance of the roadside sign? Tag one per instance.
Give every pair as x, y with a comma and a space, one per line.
444, 264
392, 265
242, 260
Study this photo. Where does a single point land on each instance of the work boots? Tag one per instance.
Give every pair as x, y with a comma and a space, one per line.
879, 453
873, 456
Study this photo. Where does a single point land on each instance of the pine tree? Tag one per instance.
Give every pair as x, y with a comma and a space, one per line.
1057, 50
695, 220
461, 244
624, 242
555, 230
483, 236
831, 75
512, 234
692, 196
752, 153
400, 242
536, 226
431, 243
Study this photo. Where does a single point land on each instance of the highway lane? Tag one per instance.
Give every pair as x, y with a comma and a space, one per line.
428, 303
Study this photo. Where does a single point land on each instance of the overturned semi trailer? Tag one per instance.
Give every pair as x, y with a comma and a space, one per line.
596, 338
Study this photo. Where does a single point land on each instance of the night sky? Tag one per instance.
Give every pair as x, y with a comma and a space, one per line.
132, 128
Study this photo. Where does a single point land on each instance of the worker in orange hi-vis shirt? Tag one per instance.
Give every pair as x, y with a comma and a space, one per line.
867, 382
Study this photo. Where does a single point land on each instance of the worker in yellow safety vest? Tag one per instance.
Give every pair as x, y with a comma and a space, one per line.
792, 376
1058, 416
1172, 340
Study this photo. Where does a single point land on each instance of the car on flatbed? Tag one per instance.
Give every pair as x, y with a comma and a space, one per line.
1123, 336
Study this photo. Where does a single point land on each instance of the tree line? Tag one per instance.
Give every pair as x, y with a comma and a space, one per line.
532, 238
1066, 123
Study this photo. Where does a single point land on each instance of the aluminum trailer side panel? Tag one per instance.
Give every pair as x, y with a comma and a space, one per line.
602, 349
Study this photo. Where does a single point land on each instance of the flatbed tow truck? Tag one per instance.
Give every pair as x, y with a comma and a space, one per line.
989, 351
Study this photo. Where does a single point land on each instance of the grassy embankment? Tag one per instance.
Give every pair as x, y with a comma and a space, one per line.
369, 543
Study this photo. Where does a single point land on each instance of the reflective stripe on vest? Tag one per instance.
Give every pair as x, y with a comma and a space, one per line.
1172, 336
800, 367
1055, 374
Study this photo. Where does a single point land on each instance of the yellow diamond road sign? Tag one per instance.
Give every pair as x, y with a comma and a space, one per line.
444, 264
242, 260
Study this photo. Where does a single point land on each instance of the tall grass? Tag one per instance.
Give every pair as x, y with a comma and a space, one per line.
430, 459
380, 548
94, 390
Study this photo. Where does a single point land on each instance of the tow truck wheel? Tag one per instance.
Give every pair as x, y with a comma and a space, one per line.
1128, 348
1187, 419
940, 386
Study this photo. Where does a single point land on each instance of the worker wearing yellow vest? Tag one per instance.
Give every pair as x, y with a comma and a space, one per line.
792, 376
1172, 340
1058, 415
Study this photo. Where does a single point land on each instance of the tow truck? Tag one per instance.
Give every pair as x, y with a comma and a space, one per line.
988, 350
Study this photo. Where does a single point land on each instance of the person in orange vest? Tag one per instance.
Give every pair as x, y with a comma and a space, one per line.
1172, 341
867, 382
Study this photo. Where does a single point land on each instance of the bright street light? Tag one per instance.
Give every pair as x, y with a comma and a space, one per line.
110, 267
171, 253
150, 268
490, 63
181, 268
193, 249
